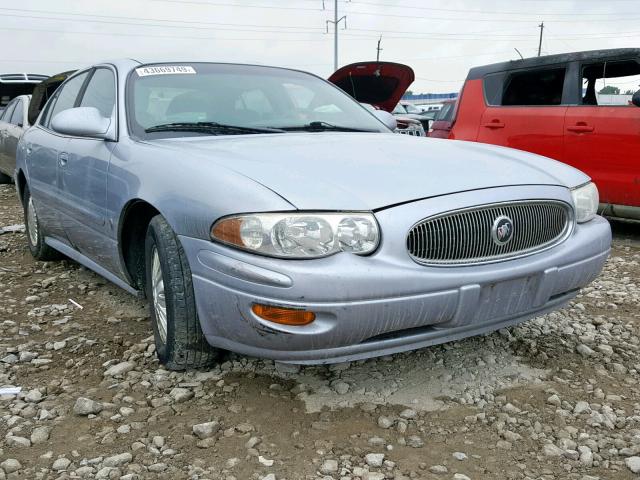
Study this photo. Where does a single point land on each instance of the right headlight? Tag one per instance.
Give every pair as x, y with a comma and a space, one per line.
585, 202
299, 234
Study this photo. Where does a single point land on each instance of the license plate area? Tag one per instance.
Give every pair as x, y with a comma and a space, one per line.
506, 298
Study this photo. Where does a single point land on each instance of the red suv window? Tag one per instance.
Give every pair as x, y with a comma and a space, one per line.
532, 87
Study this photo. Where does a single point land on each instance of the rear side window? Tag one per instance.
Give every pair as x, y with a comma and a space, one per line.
493, 87
101, 92
65, 97
18, 114
610, 83
446, 113
6, 115
525, 88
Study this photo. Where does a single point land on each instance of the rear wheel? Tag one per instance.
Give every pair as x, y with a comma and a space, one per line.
35, 233
180, 343
4, 178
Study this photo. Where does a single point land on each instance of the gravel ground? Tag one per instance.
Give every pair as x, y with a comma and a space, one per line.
554, 398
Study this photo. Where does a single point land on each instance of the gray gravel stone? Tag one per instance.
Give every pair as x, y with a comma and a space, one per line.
11, 465
86, 406
206, 430
374, 459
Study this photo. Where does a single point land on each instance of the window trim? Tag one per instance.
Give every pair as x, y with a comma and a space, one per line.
507, 73
112, 129
580, 67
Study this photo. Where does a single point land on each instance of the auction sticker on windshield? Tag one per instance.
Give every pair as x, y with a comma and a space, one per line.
165, 70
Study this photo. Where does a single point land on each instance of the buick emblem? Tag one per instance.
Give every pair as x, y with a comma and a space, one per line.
502, 230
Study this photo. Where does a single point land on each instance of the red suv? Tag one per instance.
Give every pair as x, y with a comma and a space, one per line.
580, 108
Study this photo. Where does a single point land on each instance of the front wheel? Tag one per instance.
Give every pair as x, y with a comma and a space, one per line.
180, 343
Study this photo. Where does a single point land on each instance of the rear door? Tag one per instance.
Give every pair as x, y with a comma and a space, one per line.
14, 131
525, 110
5, 125
602, 132
46, 150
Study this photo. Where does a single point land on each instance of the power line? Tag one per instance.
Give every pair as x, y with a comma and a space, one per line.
172, 37
486, 12
149, 19
152, 25
389, 15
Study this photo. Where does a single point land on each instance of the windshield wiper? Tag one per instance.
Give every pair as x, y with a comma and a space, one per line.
324, 127
209, 127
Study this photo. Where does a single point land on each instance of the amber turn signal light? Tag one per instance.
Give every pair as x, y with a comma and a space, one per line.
284, 316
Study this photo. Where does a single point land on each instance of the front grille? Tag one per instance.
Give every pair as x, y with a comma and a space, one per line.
469, 236
413, 130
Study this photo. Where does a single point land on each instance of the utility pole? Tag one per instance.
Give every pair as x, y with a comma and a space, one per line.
541, 26
335, 22
378, 49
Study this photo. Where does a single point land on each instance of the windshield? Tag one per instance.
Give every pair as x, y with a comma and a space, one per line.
411, 109
251, 98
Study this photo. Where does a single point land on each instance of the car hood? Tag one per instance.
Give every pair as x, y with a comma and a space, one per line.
365, 171
381, 84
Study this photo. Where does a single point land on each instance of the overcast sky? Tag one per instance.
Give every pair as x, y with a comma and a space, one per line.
441, 40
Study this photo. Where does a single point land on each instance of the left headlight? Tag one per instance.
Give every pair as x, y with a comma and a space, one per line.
299, 234
585, 202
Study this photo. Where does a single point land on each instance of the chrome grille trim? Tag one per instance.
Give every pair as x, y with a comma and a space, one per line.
463, 237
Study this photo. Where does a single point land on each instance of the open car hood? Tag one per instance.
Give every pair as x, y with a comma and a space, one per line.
43, 91
381, 84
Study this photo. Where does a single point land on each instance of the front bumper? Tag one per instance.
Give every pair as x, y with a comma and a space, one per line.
386, 303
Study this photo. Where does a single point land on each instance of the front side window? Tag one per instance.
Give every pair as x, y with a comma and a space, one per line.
399, 110
534, 87
101, 92
65, 97
610, 83
236, 95
17, 118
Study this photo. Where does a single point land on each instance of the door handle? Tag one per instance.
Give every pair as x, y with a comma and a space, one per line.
494, 124
581, 127
63, 157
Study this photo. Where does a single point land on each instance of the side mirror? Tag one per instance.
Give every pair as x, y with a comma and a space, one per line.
386, 118
81, 122
636, 99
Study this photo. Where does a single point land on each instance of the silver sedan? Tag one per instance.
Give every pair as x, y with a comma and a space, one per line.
13, 123
262, 210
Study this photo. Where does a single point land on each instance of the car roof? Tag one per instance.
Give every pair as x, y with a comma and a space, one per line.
22, 77
548, 60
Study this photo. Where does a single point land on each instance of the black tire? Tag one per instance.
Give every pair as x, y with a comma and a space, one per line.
39, 249
5, 178
184, 345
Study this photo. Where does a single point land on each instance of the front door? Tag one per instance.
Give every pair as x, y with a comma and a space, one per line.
602, 134
526, 111
83, 176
